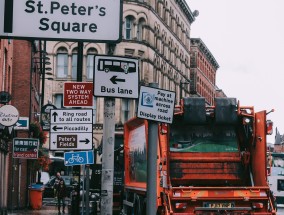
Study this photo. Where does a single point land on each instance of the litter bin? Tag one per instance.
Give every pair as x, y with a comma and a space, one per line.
35, 191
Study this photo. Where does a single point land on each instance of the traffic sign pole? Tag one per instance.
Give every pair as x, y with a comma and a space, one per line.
108, 152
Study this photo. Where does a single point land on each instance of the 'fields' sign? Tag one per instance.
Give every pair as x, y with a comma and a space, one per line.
88, 20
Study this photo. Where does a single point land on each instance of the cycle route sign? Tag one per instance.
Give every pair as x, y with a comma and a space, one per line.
78, 158
71, 129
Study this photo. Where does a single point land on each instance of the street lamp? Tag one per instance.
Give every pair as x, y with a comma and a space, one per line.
180, 87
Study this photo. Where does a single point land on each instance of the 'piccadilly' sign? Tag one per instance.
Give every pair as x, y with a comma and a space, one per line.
88, 20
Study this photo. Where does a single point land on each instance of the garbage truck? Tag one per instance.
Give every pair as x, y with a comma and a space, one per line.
211, 160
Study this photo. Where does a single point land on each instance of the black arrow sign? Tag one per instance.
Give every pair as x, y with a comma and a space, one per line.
54, 116
114, 79
55, 128
86, 141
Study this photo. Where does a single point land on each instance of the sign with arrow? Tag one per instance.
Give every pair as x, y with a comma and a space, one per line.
116, 77
71, 129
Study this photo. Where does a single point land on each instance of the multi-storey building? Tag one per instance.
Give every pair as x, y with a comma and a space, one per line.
203, 71
20, 77
6, 57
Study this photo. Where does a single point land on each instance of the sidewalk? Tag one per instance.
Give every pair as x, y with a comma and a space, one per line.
45, 210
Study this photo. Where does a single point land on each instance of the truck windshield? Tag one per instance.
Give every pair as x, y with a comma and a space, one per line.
218, 138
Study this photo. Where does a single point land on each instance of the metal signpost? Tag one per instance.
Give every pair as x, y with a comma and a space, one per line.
78, 94
78, 158
71, 129
88, 20
116, 77
156, 105
113, 77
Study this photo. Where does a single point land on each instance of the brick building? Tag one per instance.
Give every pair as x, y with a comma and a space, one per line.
20, 76
6, 67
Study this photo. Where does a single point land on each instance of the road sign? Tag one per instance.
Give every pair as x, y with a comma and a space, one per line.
22, 124
9, 115
88, 20
78, 158
116, 77
156, 104
78, 94
25, 148
71, 129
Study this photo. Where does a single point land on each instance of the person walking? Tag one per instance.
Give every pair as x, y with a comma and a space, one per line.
61, 193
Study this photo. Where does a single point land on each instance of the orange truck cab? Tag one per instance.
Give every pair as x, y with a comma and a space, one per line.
211, 160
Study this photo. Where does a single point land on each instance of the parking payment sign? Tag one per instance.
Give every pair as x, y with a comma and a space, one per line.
78, 158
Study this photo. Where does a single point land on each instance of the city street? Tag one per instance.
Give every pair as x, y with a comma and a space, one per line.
48, 207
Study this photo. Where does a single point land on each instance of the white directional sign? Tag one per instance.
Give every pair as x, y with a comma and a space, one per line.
88, 20
71, 129
116, 77
156, 104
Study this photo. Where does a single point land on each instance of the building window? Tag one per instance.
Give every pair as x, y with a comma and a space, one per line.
140, 33
94, 110
90, 62
58, 100
125, 110
128, 27
62, 63
74, 65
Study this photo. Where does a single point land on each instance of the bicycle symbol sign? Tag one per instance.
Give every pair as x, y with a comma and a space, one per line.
78, 158
75, 158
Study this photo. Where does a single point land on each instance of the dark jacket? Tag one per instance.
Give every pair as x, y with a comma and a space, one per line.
61, 191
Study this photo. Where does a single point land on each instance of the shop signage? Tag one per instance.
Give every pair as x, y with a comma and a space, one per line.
25, 148
9, 115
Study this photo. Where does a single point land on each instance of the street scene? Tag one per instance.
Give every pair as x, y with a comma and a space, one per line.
122, 108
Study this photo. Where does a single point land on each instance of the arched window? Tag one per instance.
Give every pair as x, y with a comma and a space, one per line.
140, 26
62, 63
129, 27
90, 62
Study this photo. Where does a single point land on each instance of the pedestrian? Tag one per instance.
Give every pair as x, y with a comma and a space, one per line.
61, 193
56, 182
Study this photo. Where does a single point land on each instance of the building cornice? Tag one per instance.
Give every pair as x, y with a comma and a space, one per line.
203, 48
186, 10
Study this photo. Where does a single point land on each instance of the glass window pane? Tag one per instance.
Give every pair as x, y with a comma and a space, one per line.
62, 65
58, 100
90, 66
74, 66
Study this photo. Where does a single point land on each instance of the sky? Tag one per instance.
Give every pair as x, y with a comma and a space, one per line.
246, 37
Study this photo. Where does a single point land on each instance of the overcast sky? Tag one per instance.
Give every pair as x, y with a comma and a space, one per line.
246, 37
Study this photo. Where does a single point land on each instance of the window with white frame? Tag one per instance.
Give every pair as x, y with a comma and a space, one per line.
74, 64
90, 62
62, 63
58, 100
128, 27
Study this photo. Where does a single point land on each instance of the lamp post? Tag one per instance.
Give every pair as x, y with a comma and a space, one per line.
180, 88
